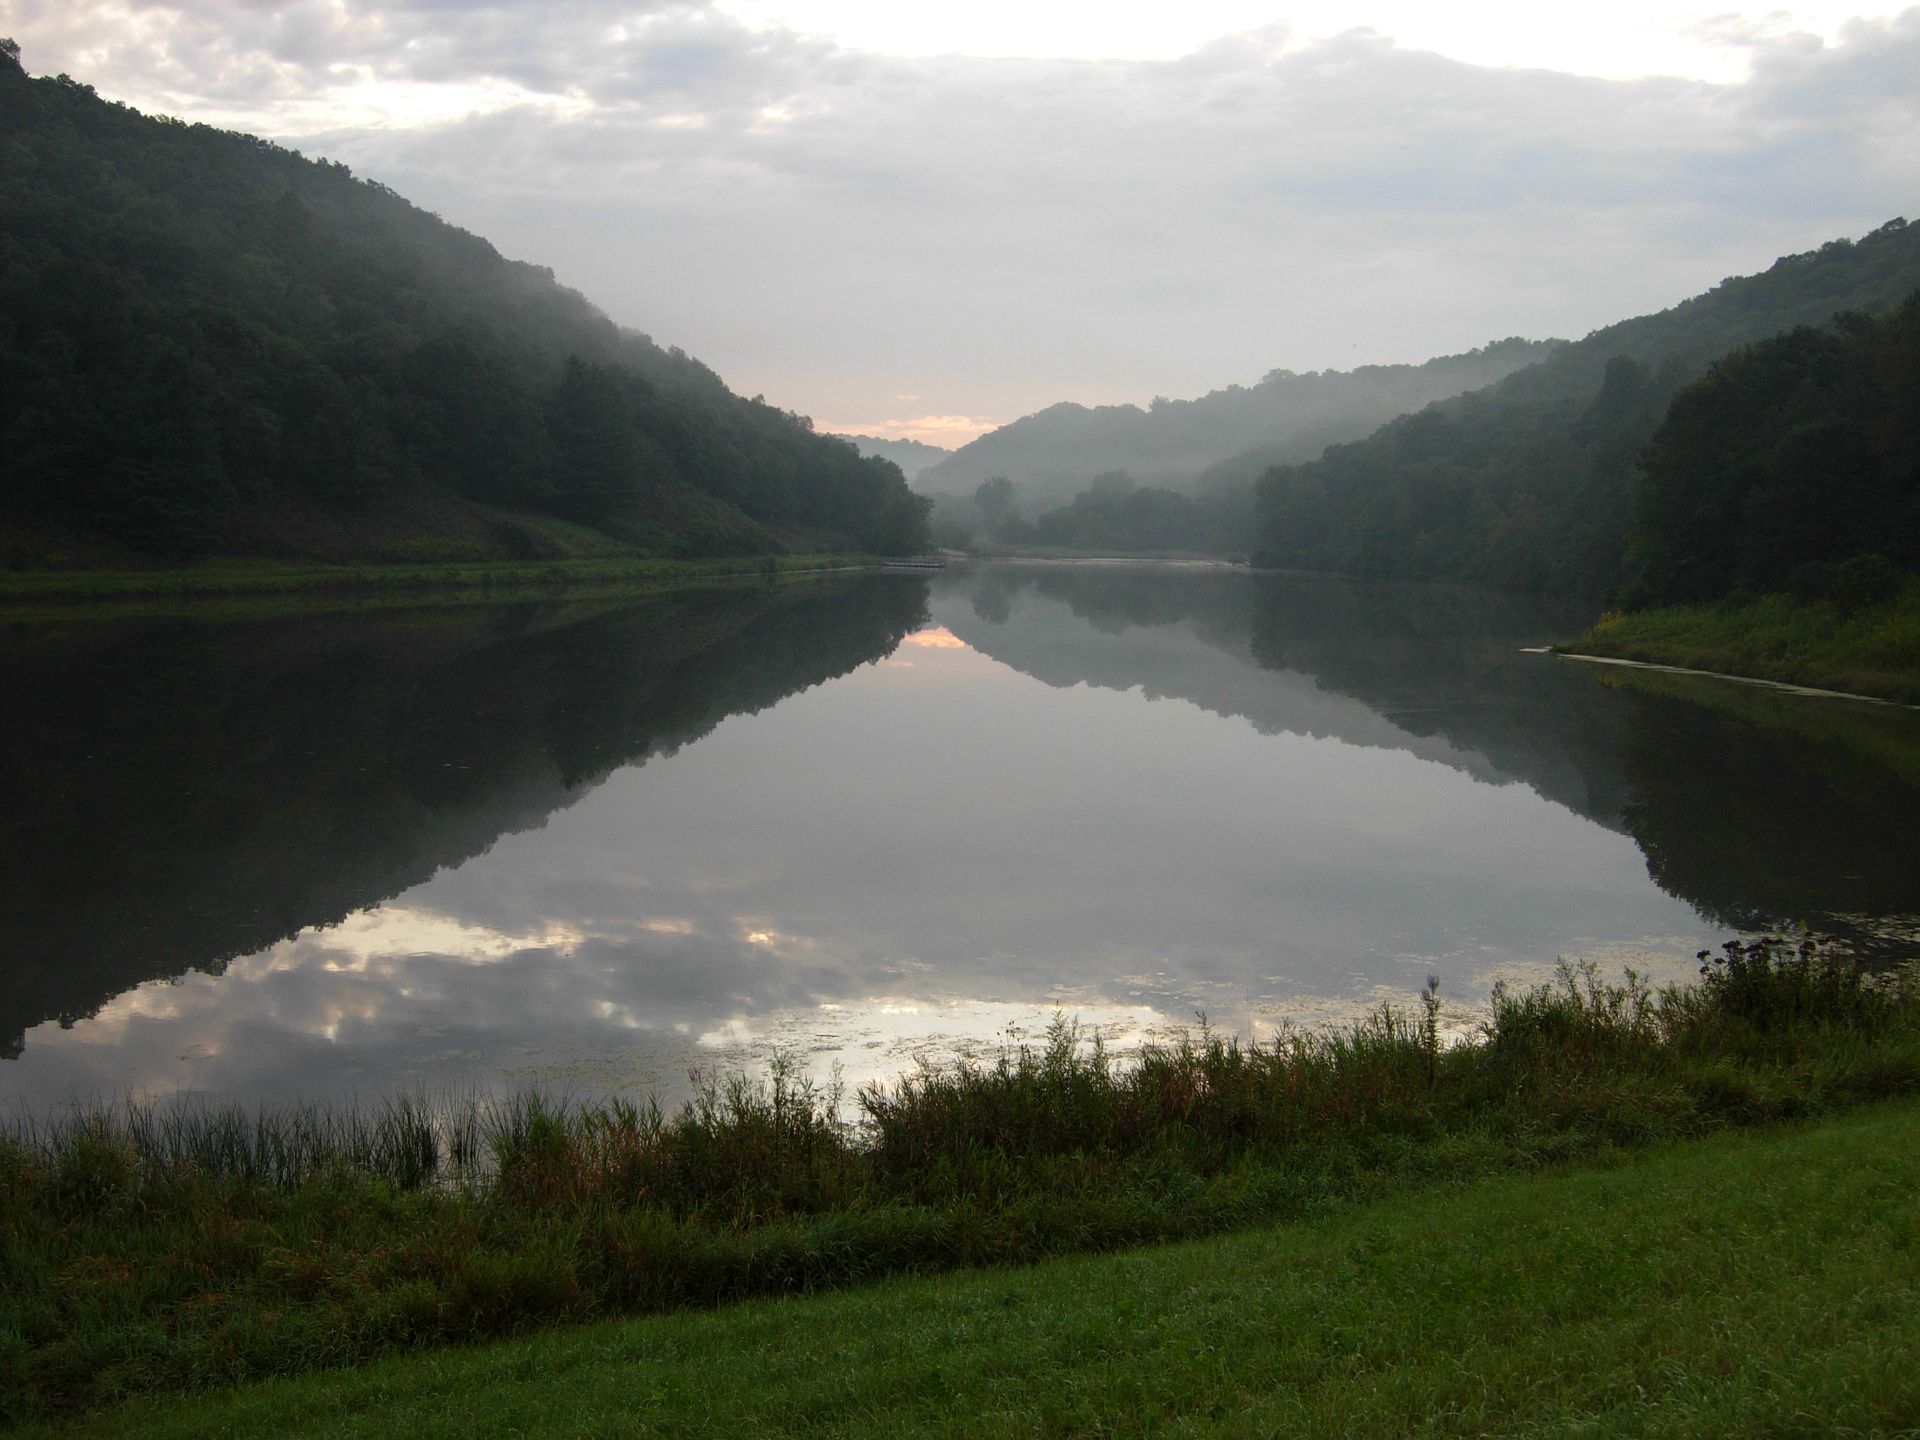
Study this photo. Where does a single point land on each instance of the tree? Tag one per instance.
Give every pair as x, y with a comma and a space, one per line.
994, 498
1787, 462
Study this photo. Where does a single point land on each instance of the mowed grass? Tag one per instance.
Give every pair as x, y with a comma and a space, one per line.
1764, 1283
1870, 650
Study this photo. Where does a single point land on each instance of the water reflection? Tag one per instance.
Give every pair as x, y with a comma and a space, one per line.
1758, 808
181, 792
483, 848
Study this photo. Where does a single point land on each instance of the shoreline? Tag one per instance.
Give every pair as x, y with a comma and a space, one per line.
214, 589
1813, 646
1786, 686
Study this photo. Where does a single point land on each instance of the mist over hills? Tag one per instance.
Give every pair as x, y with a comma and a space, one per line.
210, 344
1053, 453
912, 456
1747, 438
1527, 484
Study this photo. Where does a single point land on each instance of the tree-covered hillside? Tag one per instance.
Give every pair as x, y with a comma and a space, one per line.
1793, 463
1527, 483
1055, 453
211, 344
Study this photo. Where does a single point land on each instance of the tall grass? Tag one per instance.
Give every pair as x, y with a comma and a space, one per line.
165, 1247
406, 1142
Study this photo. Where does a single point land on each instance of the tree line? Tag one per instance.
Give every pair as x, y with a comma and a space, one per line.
1792, 464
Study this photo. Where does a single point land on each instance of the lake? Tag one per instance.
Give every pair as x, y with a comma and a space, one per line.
875, 819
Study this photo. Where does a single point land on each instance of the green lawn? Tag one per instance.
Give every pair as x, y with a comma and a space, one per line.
1759, 1283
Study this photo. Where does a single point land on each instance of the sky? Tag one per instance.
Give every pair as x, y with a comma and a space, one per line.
924, 220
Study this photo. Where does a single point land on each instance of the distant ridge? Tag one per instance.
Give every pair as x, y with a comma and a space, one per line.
912, 456
1055, 452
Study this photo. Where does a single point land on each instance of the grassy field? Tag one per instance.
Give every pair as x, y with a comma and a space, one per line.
1758, 1284
167, 1250
1870, 650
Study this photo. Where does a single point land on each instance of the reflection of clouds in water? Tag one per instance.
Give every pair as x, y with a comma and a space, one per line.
1464, 1007
868, 1041
936, 637
398, 930
1660, 960
362, 1004
942, 856
332, 1012
885, 828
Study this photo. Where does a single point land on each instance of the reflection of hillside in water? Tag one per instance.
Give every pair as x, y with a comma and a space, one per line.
1760, 807
183, 793
1755, 807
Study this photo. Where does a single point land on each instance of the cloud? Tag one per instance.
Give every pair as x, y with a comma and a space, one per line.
834, 228
944, 430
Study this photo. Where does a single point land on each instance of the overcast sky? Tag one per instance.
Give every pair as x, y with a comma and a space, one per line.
927, 219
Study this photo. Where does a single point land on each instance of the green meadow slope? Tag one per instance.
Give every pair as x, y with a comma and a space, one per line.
1762, 1283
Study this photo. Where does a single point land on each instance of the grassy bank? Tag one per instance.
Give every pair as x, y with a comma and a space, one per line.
1866, 650
151, 1251
35, 590
1765, 1283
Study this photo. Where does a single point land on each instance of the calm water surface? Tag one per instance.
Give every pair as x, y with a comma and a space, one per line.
589, 846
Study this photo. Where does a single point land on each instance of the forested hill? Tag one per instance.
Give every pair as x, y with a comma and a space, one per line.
1793, 464
211, 344
1054, 453
1528, 483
